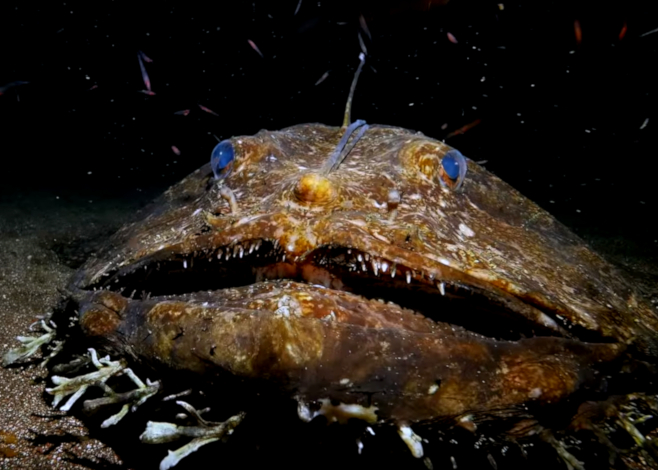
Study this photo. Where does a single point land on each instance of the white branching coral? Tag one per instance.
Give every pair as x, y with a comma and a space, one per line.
204, 432
32, 344
107, 368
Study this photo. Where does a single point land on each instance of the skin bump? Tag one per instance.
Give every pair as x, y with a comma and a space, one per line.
315, 188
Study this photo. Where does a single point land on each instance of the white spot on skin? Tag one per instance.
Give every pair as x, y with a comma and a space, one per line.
330, 317
288, 306
466, 230
340, 413
535, 393
345, 381
246, 220
433, 389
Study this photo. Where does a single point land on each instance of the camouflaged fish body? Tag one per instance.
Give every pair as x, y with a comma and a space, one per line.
375, 289
436, 303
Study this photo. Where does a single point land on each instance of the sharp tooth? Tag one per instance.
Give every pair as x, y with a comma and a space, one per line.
349, 251
241, 252
185, 263
367, 257
413, 440
228, 255
375, 266
360, 258
258, 243
442, 288
236, 249
384, 266
251, 248
284, 257
219, 253
363, 267
408, 275
393, 270
431, 276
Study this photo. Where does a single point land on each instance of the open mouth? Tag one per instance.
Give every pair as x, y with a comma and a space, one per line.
486, 310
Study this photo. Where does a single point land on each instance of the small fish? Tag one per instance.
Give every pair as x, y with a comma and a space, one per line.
183, 112
465, 128
93, 87
208, 110
145, 76
299, 5
649, 32
144, 57
364, 26
363, 45
147, 92
175, 150
255, 47
6, 87
322, 78
578, 32
622, 33
452, 38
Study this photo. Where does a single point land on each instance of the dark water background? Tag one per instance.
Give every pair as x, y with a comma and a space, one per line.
559, 121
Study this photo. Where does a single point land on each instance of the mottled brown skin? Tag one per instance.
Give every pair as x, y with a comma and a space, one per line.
302, 322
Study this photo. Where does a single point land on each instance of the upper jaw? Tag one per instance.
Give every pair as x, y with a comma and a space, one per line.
368, 267
324, 250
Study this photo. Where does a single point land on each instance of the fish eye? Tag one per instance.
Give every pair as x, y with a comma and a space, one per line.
221, 159
453, 169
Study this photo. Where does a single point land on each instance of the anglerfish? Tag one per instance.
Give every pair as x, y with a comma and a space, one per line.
367, 274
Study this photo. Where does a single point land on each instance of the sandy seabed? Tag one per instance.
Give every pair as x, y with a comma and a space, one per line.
40, 233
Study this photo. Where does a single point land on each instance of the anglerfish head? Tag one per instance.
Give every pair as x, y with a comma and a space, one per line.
372, 273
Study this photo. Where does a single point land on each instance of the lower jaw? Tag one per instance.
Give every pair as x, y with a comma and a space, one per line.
406, 366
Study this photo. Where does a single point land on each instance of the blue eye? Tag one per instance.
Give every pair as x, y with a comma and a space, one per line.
221, 159
453, 167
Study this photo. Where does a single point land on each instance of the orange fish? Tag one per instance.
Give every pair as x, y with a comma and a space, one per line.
578, 32
465, 128
255, 47
622, 33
